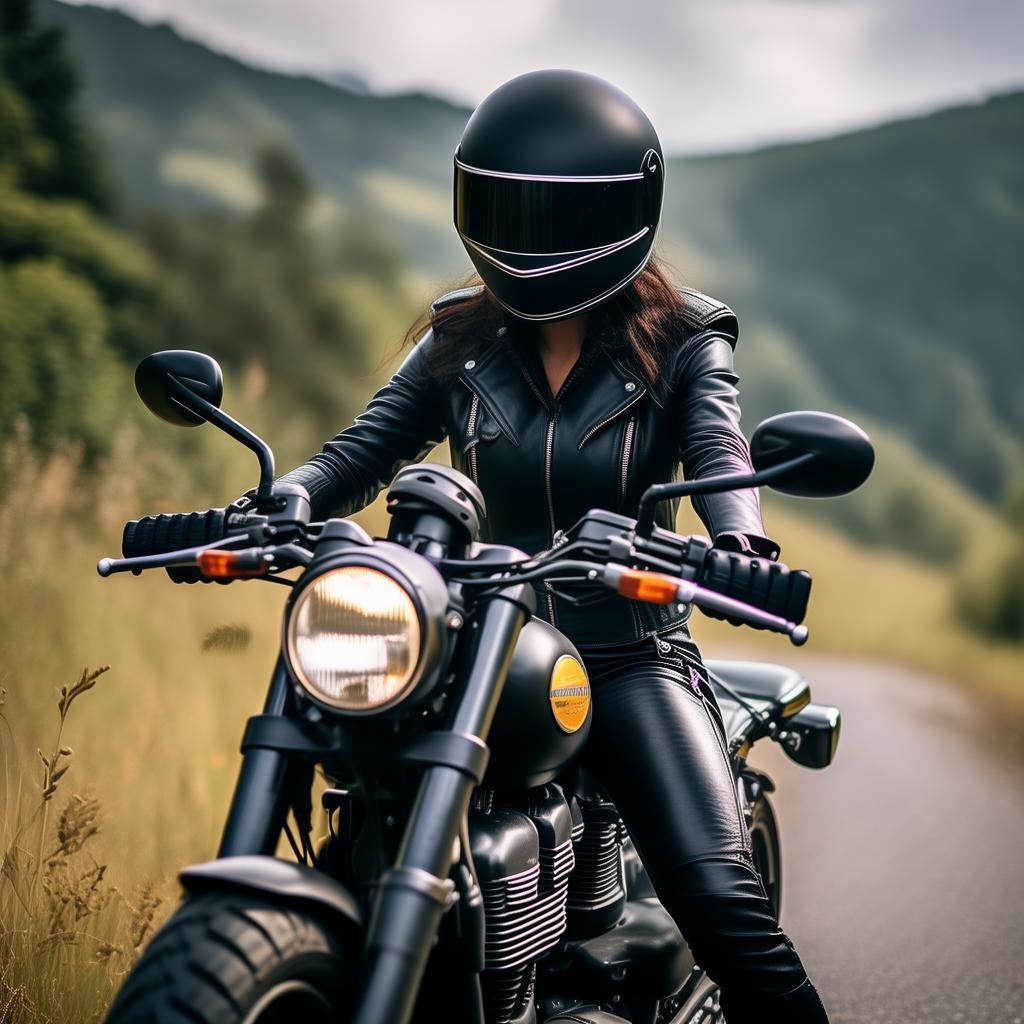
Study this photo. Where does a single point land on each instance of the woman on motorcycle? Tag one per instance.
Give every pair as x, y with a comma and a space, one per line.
574, 377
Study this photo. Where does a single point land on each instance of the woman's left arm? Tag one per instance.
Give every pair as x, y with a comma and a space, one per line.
711, 443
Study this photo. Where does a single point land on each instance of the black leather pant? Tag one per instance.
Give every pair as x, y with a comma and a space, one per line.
657, 746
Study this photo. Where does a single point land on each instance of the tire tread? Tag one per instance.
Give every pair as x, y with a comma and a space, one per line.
216, 955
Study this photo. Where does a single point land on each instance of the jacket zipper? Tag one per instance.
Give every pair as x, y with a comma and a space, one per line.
474, 410
615, 415
627, 449
549, 448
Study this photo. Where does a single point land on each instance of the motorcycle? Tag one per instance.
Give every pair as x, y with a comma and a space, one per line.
470, 871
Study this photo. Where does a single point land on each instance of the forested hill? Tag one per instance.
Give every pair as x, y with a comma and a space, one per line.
878, 272
893, 260
182, 122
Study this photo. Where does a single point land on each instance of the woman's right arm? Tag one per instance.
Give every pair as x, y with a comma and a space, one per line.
402, 422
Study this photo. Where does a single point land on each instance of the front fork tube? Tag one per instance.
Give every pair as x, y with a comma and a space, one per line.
260, 802
414, 895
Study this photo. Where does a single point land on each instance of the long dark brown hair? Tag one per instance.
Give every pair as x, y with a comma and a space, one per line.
638, 323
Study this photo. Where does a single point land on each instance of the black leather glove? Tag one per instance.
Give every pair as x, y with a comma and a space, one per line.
759, 581
748, 544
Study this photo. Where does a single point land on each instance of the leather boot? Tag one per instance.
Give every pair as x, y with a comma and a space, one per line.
801, 1006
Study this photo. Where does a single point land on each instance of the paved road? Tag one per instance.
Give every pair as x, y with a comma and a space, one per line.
903, 883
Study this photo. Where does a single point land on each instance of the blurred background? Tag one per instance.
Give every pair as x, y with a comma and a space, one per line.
270, 184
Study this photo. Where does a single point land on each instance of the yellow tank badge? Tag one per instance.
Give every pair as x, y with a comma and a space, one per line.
569, 693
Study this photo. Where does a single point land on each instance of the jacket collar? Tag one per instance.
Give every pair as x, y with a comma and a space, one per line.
601, 386
487, 375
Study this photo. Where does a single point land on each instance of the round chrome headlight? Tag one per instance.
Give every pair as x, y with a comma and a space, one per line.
354, 639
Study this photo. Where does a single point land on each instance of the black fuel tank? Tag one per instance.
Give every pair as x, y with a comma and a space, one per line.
544, 715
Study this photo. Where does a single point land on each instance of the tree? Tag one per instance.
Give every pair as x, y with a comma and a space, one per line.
285, 191
254, 290
66, 274
34, 61
59, 372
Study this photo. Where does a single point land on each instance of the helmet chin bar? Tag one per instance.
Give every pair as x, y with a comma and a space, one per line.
579, 258
582, 307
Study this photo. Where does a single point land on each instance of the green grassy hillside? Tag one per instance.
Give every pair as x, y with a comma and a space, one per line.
892, 260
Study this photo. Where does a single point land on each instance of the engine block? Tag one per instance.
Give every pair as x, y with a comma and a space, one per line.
523, 857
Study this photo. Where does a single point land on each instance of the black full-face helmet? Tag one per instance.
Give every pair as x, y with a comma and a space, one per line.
559, 180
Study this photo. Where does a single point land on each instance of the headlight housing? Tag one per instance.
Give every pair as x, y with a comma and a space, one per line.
355, 638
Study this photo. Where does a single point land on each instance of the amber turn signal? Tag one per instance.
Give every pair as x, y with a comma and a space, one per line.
652, 587
232, 564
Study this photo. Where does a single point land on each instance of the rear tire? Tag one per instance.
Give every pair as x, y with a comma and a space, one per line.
764, 836
227, 958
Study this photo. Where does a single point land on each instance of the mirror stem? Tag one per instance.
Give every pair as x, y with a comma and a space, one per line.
657, 493
197, 404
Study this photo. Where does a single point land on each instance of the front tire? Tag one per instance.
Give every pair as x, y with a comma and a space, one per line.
226, 958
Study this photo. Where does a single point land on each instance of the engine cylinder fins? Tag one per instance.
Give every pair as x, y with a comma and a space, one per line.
556, 866
597, 892
524, 857
508, 995
576, 816
525, 918
512, 893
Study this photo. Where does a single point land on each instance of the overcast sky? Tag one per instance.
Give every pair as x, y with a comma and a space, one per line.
713, 74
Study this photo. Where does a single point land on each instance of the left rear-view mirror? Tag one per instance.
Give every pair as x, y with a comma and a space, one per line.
829, 455
164, 381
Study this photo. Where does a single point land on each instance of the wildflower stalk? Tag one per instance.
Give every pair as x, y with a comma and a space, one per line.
53, 768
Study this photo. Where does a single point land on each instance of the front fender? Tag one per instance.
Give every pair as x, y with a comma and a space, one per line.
279, 879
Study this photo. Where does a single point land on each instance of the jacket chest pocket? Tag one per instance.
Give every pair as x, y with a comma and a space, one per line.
625, 416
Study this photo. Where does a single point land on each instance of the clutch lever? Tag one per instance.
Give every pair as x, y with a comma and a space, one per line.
184, 556
658, 588
702, 597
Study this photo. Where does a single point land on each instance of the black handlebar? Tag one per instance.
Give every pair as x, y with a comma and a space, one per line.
757, 583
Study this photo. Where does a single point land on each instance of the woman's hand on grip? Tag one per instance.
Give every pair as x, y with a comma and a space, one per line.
769, 585
172, 532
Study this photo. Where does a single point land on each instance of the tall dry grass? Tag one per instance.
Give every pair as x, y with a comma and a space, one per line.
67, 932
110, 783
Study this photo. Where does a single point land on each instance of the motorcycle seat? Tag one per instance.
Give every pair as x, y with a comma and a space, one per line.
779, 690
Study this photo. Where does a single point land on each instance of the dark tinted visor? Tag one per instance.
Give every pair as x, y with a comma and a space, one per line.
536, 216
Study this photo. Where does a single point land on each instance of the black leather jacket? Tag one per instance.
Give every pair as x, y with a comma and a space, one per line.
542, 461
